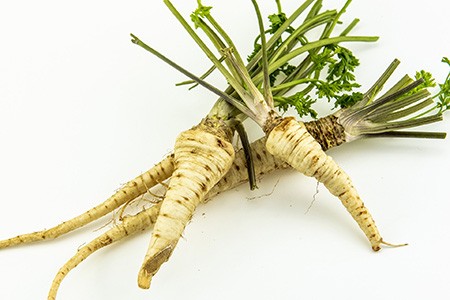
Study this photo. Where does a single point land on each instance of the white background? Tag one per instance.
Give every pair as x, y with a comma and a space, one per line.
82, 110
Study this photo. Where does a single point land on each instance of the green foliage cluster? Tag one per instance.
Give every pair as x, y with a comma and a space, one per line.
338, 62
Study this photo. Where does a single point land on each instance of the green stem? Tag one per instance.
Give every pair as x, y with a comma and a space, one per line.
265, 62
410, 134
403, 112
279, 9
306, 67
389, 113
290, 84
280, 31
385, 127
231, 80
309, 24
403, 102
224, 35
248, 154
310, 46
314, 10
330, 27
204, 75
349, 27
378, 85
402, 83
217, 42
361, 113
238, 104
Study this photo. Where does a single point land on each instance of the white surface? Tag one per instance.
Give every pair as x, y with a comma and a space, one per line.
82, 110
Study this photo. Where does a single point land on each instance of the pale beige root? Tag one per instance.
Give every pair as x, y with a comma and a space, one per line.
264, 163
129, 226
290, 141
128, 192
201, 159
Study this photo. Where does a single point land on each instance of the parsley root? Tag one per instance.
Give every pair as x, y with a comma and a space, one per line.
286, 139
128, 192
204, 163
129, 225
146, 219
327, 131
202, 156
290, 141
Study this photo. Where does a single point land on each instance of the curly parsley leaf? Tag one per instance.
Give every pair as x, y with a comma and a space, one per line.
347, 100
276, 20
202, 11
443, 96
301, 102
337, 87
341, 70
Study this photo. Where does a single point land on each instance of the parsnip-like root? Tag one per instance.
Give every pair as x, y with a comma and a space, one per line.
265, 163
129, 226
202, 156
326, 131
128, 192
290, 141
132, 224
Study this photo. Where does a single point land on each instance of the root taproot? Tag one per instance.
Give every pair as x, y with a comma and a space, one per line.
201, 159
291, 142
134, 188
129, 226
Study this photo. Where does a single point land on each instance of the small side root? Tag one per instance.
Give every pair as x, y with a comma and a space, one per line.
129, 226
376, 246
122, 209
134, 188
393, 245
313, 199
267, 194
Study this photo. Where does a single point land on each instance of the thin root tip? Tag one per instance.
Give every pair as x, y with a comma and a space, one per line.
393, 245
144, 279
377, 247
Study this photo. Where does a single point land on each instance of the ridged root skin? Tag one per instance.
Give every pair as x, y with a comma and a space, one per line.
263, 161
326, 131
128, 192
129, 226
290, 141
201, 159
